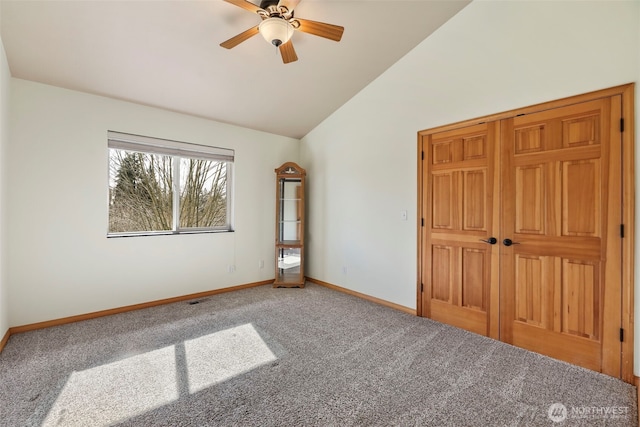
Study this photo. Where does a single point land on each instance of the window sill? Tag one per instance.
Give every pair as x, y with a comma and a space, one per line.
167, 233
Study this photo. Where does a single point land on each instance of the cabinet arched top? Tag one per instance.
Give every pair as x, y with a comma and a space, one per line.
290, 169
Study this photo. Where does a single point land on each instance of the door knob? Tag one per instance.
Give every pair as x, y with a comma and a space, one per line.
509, 242
490, 240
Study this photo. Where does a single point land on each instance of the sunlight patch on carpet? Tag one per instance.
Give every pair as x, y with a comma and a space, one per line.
118, 391
104, 395
217, 357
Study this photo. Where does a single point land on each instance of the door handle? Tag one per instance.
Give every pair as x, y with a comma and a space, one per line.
490, 240
509, 242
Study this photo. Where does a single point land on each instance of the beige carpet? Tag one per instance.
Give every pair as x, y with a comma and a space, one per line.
291, 357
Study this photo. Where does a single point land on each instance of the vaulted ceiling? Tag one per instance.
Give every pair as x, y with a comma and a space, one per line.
166, 54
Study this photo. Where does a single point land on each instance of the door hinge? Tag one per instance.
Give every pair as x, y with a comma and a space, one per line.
421, 287
423, 155
621, 125
622, 230
621, 335
422, 222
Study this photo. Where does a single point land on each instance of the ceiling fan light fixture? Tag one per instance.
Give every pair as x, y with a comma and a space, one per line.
276, 31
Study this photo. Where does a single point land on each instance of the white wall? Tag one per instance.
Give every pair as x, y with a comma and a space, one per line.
491, 57
5, 77
61, 262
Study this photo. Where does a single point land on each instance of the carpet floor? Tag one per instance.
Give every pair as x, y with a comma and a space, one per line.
291, 357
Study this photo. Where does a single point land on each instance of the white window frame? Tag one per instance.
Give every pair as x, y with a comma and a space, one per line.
178, 150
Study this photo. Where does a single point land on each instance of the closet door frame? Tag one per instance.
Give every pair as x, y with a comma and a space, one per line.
628, 201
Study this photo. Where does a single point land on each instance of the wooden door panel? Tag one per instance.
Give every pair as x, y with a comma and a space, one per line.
581, 130
530, 194
445, 212
473, 200
442, 273
442, 152
554, 314
557, 176
587, 248
581, 299
534, 293
474, 147
559, 295
568, 154
460, 317
461, 185
529, 139
583, 352
581, 198
474, 285
460, 275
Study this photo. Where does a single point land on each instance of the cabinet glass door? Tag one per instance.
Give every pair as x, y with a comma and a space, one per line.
289, 261
289, 227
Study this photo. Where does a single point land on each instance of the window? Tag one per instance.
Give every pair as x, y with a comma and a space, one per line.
158, 186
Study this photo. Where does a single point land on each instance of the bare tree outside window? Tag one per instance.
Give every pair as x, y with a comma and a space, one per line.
141, 192
203, 193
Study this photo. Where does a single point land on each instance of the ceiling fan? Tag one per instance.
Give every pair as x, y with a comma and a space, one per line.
278, 25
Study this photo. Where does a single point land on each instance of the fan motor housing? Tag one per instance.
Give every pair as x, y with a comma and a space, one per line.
264, 4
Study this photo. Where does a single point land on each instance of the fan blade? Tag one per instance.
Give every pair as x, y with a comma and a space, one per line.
235, 41
245, 5
328, 31
289, 4
288, 52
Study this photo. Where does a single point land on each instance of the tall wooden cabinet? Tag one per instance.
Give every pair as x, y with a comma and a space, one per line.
290, 209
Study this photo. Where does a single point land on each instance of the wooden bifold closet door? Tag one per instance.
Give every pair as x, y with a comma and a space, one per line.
520, 230
461, 193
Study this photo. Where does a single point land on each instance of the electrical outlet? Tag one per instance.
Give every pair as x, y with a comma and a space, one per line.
261, 263
231, 268
344, 269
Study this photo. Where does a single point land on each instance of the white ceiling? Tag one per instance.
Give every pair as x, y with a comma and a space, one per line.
166, 54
